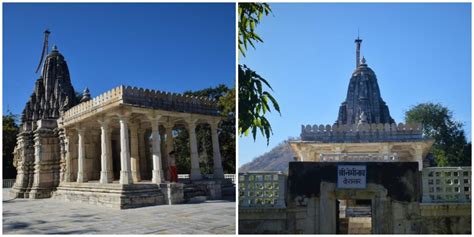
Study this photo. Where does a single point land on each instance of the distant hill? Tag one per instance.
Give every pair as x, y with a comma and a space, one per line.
275, 160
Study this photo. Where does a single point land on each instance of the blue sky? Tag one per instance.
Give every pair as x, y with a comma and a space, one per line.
170, 47
419, 52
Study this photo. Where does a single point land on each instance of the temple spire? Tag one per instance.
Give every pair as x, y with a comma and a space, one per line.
358, 41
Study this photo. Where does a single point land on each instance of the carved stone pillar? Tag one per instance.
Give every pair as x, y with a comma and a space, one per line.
169, 146
68, 150
142, 152
81, 156
104, 157
125, 174
135, 160
110, 167
195, 170
157, 174
218, 171
38, 159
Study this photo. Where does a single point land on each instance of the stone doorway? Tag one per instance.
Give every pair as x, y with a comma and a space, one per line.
354, 216
373, 198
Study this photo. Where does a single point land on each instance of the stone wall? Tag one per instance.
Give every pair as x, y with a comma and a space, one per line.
263, 221
393, 188
452, 218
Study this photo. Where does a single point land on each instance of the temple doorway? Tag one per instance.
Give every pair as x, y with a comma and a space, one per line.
354, 216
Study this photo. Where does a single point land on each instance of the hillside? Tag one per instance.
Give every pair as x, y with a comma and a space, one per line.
275, 160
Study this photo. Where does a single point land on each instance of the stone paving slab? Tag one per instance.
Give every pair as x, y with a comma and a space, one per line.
48, 216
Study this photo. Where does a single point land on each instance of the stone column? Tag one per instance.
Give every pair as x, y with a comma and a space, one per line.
135, 160
81, 156
67, 146
195, 170
327, 209
110, 167
104, 158
125, 174
419, 156
38, 159
218, 171
142, 151
169, 141
157, 174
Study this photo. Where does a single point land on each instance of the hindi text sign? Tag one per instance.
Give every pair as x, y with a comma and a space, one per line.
351, 176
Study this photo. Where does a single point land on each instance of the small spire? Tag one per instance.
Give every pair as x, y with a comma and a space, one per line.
55, 48
86, 96
363, 61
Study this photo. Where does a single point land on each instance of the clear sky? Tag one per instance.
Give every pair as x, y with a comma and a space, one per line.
419, 52
170, 47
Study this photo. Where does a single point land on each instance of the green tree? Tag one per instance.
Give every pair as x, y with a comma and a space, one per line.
253, 99
10, 131
226, 133
450, 147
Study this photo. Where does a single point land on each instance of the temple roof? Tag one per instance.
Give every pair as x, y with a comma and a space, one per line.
142, 98
53, 92
363, 98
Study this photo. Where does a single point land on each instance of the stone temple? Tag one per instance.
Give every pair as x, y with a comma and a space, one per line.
110, 150
363, 174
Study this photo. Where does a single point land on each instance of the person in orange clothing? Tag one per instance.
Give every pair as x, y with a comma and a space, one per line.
172, 167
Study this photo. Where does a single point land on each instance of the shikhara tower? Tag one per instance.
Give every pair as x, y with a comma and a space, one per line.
36, 154
363, 103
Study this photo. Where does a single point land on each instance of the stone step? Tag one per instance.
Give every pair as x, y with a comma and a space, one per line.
111, 195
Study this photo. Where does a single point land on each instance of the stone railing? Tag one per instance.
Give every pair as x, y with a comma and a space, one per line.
8, 183
208, 176
106, 98
170, 101
146, 98
361, 132
446, 184
262, 189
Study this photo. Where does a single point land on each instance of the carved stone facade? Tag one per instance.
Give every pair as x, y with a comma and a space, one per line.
110, 150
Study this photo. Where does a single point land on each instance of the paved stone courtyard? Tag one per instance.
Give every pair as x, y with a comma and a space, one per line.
47, 216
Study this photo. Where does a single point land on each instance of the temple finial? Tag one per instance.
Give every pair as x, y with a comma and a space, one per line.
358, 41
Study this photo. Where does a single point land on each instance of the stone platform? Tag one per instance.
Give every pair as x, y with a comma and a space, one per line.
113, 195
49, 216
